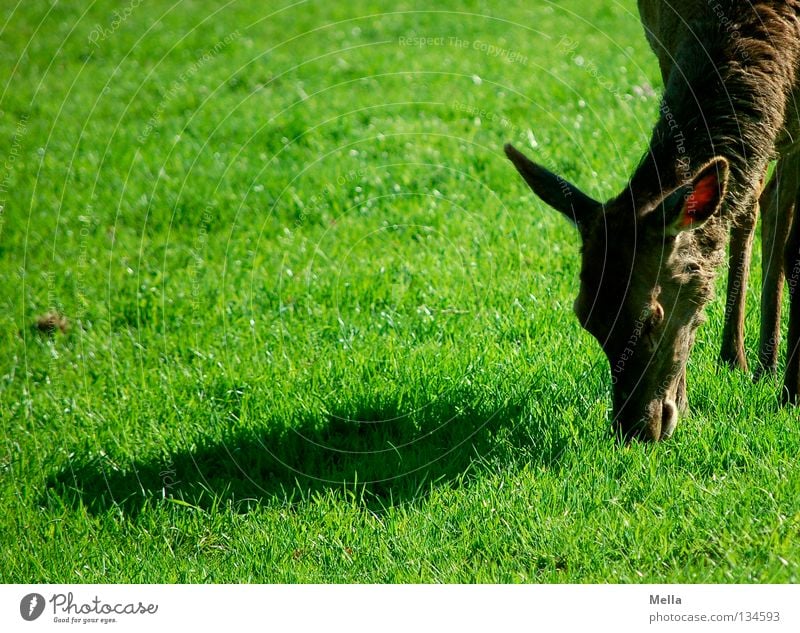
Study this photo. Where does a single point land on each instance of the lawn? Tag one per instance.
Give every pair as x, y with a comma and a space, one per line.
318, 330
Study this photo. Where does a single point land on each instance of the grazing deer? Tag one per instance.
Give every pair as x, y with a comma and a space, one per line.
650, 256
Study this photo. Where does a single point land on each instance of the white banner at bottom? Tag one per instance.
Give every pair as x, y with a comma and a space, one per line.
379, 608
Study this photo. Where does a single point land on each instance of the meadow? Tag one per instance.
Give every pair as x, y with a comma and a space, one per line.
318, 330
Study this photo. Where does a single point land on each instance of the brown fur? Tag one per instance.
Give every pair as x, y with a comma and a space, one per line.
651, 255
777, 203
50, 322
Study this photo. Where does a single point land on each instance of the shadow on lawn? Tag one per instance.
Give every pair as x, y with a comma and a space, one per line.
387, 455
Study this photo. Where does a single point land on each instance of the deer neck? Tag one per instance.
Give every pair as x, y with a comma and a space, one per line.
725, 96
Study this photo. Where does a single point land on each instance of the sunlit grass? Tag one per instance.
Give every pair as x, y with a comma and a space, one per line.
320, 332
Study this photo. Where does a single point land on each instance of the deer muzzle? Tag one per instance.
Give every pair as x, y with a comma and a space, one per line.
656, 422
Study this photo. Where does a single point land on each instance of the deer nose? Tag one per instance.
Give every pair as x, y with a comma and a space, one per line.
669, 418
657, 422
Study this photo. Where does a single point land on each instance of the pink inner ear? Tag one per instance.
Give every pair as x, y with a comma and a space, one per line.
702, 201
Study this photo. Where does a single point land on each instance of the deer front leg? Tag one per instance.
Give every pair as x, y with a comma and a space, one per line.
732, 352
791, 384
777, 206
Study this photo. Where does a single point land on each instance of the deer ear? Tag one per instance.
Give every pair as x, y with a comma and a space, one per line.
554, 190
692, 205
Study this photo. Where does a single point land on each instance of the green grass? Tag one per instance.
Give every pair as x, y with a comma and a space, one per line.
320, 331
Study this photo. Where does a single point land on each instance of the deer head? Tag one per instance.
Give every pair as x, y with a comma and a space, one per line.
648, 264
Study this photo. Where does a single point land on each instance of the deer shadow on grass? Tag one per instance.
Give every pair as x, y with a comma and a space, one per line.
386, 455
